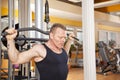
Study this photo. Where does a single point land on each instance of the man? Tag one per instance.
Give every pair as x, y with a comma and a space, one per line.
51, 57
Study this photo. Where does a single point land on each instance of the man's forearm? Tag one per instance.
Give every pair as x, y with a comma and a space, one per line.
12, 51
68, 45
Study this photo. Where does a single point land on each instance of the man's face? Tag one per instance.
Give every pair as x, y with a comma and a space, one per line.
58, 37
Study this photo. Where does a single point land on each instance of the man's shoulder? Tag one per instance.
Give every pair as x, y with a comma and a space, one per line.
38, 46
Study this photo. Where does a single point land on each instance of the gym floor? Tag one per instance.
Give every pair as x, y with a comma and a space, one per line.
77, 74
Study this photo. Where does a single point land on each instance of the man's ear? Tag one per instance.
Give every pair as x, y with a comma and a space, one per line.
51, 35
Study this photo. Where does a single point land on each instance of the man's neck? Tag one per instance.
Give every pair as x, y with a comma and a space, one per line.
53, 47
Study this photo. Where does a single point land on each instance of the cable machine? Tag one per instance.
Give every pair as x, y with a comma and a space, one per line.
47, 19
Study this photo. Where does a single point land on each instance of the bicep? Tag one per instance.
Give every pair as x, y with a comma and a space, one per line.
26, 56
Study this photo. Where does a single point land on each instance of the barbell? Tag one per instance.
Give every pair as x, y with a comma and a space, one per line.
20, 40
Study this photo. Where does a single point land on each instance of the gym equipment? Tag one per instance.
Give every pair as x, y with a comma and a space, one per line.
118, 59
116, 51
27, 29
76, 61
105, 64
3, 39
22, 69
47, 19
74, 37
20, 40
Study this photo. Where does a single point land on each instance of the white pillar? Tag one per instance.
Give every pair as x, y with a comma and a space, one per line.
88, 40
39, 16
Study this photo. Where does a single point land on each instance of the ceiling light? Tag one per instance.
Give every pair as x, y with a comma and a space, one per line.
75, 1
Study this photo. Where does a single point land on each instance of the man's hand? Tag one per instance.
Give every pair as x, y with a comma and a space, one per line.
12, 33
70, 36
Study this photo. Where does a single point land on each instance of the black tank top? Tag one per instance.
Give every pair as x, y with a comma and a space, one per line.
53, 66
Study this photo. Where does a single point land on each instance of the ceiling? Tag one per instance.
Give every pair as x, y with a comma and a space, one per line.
107, 6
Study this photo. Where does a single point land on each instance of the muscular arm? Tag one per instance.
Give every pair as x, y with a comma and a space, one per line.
17, 57
68, 45
12, 51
